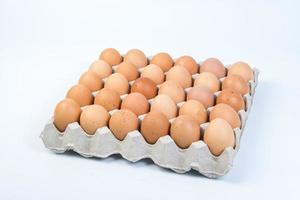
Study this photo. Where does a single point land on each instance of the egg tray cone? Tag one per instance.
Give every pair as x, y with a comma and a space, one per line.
164, 152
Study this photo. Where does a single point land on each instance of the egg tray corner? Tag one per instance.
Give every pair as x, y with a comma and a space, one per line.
164, 152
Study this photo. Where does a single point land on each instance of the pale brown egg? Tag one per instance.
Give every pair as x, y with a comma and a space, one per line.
163, 60
242, 69
122, 122
236, 83
173, 90
136, 57
189, 63
128, 70
184, 131
101, 68
232, 98
111, 56
180, 75
108, 98
145, 86
209, 80
81, 94
154, 125
136, 102
194, 109
214, 66
226, 112
154, 73
91, 80
66, 112
218, 136
201, 94
93, 117
164, 104
117, 82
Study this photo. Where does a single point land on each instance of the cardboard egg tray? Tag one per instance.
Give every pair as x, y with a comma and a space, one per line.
164, 152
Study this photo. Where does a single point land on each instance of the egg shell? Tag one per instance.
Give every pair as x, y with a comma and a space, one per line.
111, 56
154, 73
101, 68
136, 57
163, 60
236, 83
128, 70
180, 75
194, 109
242, 69
122, 122
136, 102
154, 125
189, 63
91, 80
209, 80
218, 135
117, 82
144, 86
227, 113
108, 98
81, 94
164, 104
201, 94
184, 131
232, 98
173, 90
214, 66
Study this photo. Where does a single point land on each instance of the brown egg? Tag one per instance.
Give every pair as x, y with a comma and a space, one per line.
173, 90
164, 104
101, 68
136, 102
163, 60
226, 112
136, 57
145, 86
180, 75
242, 69
128, 70
232, 98
194, 109
117, 82
111, 56
235, 83
154, 125
81, 94
154, 73
66, 112
93, 117
122, 122
218, 136
108, 98
201, 94
209, 80
214, 66
91, 80
184, 131
189, 63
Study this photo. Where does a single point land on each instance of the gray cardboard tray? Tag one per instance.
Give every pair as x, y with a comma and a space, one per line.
164, 152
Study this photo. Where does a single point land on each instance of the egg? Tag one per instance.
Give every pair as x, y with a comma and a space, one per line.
180, 75
209, 80
164, 104
111, 56
145, 86
201, 94
101, 68
189, 63
227, 113
194, 109
236, 83
93, 117
136, 102
184, 131
173, 90
122, 122
91, 80
218, 136
128, 70
242, 69
214, 66
81, 94
154, 73
136, 57
154, 125
232, 98
163, 60
66, 112
117, 82
108, 98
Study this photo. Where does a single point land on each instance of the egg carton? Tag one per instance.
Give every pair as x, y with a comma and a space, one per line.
164, 152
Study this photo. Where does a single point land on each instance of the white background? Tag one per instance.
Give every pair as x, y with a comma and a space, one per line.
46, 45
